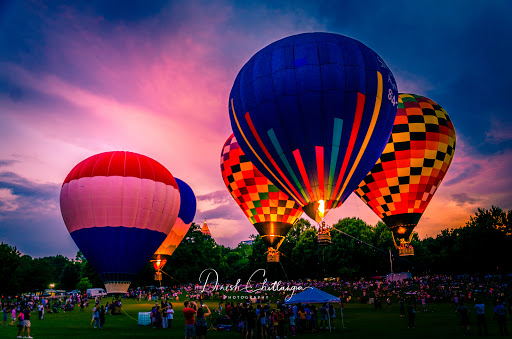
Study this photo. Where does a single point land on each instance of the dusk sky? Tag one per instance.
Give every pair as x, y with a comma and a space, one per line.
153, 77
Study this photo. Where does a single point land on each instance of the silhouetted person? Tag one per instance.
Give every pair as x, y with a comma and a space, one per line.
501, 316
480, 318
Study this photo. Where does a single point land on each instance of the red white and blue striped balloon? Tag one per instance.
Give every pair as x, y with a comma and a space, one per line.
119, 207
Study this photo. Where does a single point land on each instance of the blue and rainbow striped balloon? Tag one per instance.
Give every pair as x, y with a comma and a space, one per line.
313, 112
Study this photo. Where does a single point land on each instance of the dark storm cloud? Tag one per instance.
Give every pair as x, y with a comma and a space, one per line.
217, 197
471, 170
463, 198
225, 208
4, 163
29, 192
37, 236
126, 11
227, 212
30, 217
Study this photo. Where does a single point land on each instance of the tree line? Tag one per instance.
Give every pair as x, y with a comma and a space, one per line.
481, 246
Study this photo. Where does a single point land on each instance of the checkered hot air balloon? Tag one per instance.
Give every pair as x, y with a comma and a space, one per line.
313, 113
270, 211
119, 207
411, 168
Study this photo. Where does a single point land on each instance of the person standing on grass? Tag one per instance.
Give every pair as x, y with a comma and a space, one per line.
26, 320
102, 316
501, 316
251, 322
323, 316
92, 320
201, 323
96, 316
21, 325
169, 315
332, 315
5, 311
424, 303
402, 308
292, 324
411, 313
158, 316
190, 322
40, 309
463, 311
13, 314
164, 317
480, 316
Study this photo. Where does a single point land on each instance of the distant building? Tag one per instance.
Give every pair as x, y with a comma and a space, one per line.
247, 242
205, 230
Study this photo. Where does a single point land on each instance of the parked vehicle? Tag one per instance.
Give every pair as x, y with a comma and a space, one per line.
96, 292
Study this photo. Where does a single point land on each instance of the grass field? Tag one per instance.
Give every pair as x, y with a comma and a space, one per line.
361, 321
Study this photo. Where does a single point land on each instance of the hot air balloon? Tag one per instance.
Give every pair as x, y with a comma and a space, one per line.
411, 168
179, 229
270, 211
313, 113
118, 208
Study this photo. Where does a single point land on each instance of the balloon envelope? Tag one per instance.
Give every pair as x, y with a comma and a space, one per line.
185, 218
118, 208
270, 211
313, 113
419, 152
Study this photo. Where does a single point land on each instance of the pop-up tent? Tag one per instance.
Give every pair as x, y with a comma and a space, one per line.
312, 296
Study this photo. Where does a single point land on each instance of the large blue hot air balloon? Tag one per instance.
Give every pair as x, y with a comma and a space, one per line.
313, 112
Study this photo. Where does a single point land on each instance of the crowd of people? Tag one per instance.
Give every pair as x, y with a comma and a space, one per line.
253, 315
162, 316
20, 308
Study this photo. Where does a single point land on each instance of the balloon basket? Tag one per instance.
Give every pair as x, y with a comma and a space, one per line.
117, 286
273, 256
405, 251
324, 238
158, 276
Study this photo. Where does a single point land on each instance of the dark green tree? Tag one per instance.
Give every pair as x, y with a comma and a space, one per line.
10, 258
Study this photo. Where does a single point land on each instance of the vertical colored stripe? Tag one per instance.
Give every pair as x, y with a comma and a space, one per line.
302, 170
355, 130
320, 168
256, 154
369, 132
336, 142
282, 156
260, 143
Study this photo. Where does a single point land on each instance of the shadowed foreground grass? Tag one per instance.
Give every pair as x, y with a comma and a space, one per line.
361, 321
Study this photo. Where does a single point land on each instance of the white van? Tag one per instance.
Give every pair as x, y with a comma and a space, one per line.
96, 292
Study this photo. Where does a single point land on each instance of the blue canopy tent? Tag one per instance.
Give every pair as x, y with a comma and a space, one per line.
314, 296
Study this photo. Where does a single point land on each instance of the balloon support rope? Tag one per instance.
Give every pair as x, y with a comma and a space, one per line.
171, 277
375, 248
286, 275
129, 316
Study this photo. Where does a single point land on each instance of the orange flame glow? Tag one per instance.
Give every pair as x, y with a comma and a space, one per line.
321, 208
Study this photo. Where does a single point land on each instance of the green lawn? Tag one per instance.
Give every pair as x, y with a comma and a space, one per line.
361, 321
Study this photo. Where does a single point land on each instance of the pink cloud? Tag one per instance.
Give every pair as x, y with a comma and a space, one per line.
472, 181
159, 87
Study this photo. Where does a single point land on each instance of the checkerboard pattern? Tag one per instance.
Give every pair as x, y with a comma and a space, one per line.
414, 162
259, 199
